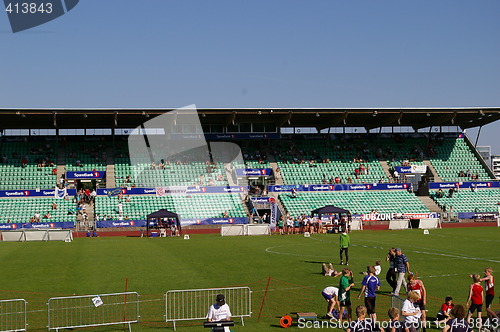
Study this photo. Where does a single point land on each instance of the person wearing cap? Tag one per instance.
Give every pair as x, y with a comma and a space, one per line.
219, 311
401, 266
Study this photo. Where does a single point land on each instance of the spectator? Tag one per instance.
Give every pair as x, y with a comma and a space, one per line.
219, 311
394, 324
370, 285
444, 313
330, 294
390, 276
476, 296
401, 265
344, 247
54, 206
418, 286
411, 312
346, 283
458, 323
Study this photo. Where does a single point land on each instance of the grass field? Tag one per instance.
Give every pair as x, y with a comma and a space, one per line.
37, 271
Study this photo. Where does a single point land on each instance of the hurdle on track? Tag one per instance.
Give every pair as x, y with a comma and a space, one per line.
93, 310
13, 315
193, 304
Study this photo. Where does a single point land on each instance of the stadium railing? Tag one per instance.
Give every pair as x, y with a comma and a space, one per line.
193, 304
93, 310
13, 315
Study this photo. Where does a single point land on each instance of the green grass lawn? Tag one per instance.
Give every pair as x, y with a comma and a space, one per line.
37, 271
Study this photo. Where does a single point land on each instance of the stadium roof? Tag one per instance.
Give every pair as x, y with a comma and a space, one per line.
320, 118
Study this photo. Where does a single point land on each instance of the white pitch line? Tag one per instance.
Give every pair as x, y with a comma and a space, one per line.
269, 250
442, 275
426, 252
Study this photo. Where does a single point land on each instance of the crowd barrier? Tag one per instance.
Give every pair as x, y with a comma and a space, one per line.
193, 304
71, 312
399, 224
235, 230
23, 235
13, 315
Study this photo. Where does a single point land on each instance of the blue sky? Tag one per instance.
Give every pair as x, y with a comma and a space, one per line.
254, 53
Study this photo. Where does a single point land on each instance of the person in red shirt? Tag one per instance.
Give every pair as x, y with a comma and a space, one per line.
476, 296
489, 284
444, 313
418, 286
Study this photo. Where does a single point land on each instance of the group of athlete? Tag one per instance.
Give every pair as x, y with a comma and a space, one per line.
451, 317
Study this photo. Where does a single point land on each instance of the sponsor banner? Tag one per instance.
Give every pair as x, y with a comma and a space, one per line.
394, 216
416, 169
260, 200
466, 185
120, 223
240, 172
214, 137
85, 175
42, 225
34, 193
477, 215
242, 136
126, 191
340, 187
184, 222
168, 191
214, 221
179, 190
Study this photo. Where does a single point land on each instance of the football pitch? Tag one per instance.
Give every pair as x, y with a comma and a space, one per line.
282, 271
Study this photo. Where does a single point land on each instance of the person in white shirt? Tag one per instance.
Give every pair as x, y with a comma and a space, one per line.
219, 311
411, 312
331, 296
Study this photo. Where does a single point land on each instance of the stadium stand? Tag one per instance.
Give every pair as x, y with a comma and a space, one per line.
466, 200
201, 206
454, 156
27, 165
86, 156
22, 210
357, 202
315, 161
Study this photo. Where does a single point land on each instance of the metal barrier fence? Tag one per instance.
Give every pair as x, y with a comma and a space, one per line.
93, 310
193, 304
13, 315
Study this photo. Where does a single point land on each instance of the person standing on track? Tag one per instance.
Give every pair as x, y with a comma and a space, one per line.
345, 241
390, 276
401, 266
370, 285
476, 296
489, 287
418, 286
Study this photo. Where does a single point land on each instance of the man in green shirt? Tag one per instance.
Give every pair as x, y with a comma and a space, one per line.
346, 282
345, 241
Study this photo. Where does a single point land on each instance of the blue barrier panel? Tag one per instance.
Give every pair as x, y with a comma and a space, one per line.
33, 193
41, 225
340, 187
466, 185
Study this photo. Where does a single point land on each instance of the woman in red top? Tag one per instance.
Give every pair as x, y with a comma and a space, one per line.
418, 286
489, 284
476, 296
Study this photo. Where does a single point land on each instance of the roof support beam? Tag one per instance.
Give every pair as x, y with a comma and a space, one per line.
285, 119
231, 119
334, 120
